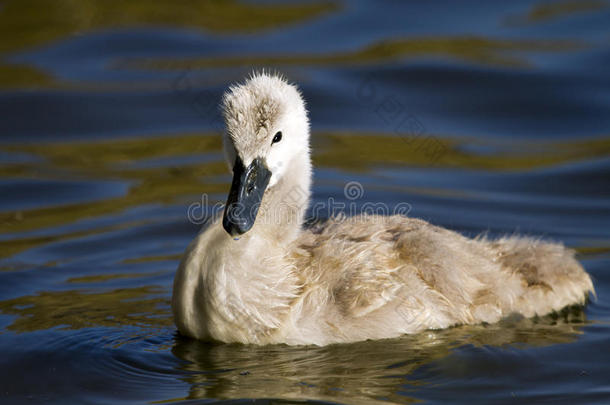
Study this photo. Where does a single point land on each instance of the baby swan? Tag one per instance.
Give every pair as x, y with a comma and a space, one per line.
258, 277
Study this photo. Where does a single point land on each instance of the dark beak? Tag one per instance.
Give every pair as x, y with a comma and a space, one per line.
247, 189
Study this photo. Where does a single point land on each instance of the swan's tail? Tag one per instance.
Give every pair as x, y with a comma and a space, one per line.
552, 277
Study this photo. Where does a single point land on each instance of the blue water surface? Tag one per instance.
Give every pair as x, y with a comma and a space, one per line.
483, 117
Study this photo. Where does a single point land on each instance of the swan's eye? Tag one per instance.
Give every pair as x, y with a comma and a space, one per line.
277, 137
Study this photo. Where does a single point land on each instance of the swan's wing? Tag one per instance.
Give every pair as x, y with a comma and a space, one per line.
357, 260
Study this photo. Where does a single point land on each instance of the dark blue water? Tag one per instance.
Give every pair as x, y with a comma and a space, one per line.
481, 116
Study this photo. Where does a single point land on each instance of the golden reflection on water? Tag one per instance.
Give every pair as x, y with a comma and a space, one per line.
358, 373
478, 50
356, 151
545, 10
16, 75
148, 259
27, 23
113, 160
100, 278
13, 246
75, 309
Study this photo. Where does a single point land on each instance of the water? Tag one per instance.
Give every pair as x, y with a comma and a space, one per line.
482, 116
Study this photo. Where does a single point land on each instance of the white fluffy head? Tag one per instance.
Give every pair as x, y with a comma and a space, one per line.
255, 112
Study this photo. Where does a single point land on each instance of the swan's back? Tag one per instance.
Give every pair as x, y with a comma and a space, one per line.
371, 274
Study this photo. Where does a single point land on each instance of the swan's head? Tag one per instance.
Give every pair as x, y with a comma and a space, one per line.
266, 128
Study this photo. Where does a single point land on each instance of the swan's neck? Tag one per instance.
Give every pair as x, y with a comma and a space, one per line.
253, 276
283, 208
